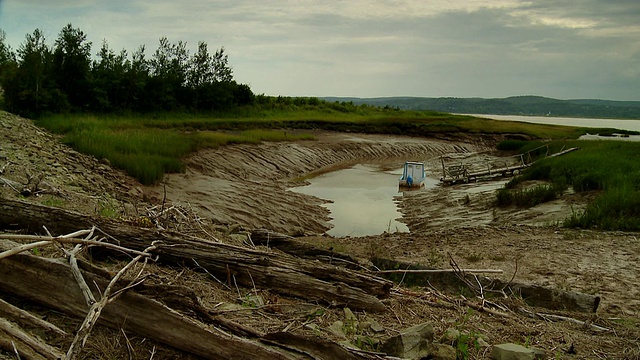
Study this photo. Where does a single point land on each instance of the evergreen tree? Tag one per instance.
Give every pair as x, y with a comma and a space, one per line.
44, 79
136, 80
31, 89
72, 65
8, 65
109, 79
221, 70
169, 66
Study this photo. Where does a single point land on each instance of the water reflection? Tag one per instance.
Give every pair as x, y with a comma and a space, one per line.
362, 200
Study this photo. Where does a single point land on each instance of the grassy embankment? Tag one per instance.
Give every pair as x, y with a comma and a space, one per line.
608, 169
148, 146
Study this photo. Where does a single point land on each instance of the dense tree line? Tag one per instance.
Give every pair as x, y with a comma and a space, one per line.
37, 78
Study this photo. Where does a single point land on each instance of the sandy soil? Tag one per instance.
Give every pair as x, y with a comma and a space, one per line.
247, 185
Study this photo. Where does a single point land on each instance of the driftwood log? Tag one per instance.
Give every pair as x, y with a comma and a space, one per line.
15, 339
533, 295
49, 282
289, 245
26, 319
280, 272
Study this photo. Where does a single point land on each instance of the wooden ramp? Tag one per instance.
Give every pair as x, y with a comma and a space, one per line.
464, 173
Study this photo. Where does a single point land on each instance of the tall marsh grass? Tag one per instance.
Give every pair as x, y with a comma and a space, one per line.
147, 153
611, 169
149, 145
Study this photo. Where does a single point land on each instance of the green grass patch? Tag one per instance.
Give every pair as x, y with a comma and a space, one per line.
529, 197
144, 152
611, 169
149, 145
617, 209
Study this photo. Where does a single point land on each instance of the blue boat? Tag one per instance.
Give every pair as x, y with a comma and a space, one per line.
413, 175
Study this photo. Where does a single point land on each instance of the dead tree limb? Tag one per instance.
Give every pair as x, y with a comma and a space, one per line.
285, 274
291, 246
57, 289
533, 295
552, 317
438, 271
96, 308
65, 239
315, 347
26, 319
13, 338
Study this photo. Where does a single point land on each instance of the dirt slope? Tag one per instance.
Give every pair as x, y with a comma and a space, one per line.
70, 179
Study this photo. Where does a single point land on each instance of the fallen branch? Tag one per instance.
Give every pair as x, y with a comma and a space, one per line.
439, 271
64, 239
25, 318
96, 308
314, 347
551, 317
130, 311
13, 338
12, 184
73, 262
534, 295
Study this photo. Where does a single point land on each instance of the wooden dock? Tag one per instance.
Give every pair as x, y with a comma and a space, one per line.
464, 173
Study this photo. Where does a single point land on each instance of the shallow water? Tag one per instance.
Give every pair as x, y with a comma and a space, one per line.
633, 125
363, 199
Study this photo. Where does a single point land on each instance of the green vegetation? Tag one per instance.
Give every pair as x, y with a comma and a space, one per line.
39, 79
531, 196
609, 169
150, 145
144, 151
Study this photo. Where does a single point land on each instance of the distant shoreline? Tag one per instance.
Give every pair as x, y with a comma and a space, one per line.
515, 105
622, 124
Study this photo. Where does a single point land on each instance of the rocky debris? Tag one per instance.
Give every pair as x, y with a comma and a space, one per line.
350, 317
511, 351
34, 164
337, 329
412, 343
442, 352
450, 336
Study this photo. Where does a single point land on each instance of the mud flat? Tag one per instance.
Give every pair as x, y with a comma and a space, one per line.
247, 184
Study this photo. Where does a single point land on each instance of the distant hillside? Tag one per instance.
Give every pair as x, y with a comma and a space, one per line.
516, 105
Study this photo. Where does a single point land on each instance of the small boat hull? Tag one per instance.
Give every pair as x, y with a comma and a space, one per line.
413, 175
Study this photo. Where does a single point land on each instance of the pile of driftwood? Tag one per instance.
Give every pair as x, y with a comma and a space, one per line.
74, 287
77, 288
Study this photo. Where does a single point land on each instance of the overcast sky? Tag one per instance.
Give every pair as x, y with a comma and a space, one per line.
564, 49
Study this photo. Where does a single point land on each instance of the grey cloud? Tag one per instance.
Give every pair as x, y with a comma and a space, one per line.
360, 48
